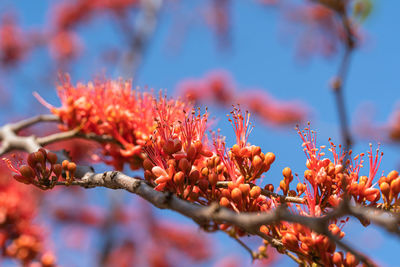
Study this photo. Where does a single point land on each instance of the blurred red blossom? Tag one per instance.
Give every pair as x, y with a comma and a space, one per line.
323, 27
20, 237
13, 45
219, 87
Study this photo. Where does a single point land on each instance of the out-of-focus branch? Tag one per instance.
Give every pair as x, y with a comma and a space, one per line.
31, 121
142, 31
339, 80
46, 140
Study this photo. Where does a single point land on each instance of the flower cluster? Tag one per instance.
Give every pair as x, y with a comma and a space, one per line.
113, 109
20, 238
168, 140
12, 43
42, 170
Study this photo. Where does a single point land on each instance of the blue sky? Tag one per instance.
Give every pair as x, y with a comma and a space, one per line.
258, 58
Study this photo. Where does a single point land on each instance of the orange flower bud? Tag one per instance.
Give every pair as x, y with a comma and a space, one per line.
269, 187
255, 150
213, 178
300, 188
226, 193
147, 164
224, 202
52, 157
158, 171
205, 171
236, 195
283, 186
235, 149
194, 176
179, 178
217, 161
245, 188
287, 172
337, 258
264, 229
57, 169
191, 154
184, 165
290, 241
392, 175
71, 167
269, 158
395, 186
382, 179
256, 162
385, 189
255, 192
351, 260
39, 157
65, 164
27, 172
338, 168
308, 174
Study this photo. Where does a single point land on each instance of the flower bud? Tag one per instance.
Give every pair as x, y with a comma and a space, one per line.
290, 241
300, 188
22, 179
235, 149
269, 158
269, 187
351, 260
194, 176
27, 172
213, 178
205, 171
184, 165
65, 164
57, 169
337, 258
245, 188
191, 152
147, 164
392, 175
236, 195
52, 157
255, 150
179, 178
256, 162
287, 172
39, 157
71, 167
158, 171
224, 202
255, 192
385, 189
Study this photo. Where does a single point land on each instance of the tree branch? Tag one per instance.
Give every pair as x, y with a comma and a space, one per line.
204, 215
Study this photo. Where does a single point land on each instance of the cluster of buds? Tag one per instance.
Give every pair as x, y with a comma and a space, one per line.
69, 170
42, 169
287, 179
25, 248
251, 162
176, 158
390, 188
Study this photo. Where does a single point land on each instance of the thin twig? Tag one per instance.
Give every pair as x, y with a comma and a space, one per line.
267, 193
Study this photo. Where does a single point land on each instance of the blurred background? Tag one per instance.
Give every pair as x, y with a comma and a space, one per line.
276, 58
